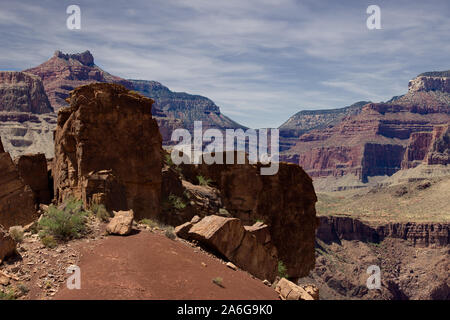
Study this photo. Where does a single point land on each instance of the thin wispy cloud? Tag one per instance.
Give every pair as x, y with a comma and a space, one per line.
260, 61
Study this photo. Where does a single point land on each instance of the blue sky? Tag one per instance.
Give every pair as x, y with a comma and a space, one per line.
260, 61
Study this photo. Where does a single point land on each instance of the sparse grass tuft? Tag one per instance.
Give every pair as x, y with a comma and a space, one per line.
149, 222
203, 181
48, 241
170, 233
16, 233
100, 212
7, 295
282, 270
177, 202
218, 281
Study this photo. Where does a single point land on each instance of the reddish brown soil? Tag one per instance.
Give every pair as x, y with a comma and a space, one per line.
150, 266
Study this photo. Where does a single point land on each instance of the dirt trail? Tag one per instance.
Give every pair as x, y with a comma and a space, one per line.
150, 266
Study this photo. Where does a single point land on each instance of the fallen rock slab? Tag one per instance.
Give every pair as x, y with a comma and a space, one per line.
122, 223
290, 291
229, 238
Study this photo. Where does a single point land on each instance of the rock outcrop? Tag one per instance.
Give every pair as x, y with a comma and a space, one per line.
7, 244
108, 127
431, 81
334, 229
432, 147
33, 171
290, 291
65, 72
27, 133
17, 205
227, 237
285, 202
22, 92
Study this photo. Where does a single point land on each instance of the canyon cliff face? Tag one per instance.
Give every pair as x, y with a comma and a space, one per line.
284, 201
334, 229
174, 110
432, 147
26, 116
108, 150
373, 142
308, 120
22, 92
17, 206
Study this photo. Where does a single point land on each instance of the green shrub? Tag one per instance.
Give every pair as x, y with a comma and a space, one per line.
7, 295
16, 233
23, 288
100, 212
170, 233
48, 241
176, 202
204, 181
66, 223
218, 281
282, 270
151, 223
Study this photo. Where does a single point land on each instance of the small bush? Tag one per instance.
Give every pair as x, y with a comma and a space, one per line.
16, 233
151, 223
48, 241
282, 270
204, 181
7, 295
218, 281
100, 212
66, 223
170, 233
23, 289
177, 202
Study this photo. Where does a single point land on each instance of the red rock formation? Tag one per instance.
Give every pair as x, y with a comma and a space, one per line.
22, 92
65, 72
108, 127
432, 147
333, 229
373, 141
7, 244
16, 199
33, 170
285, 202
229, 238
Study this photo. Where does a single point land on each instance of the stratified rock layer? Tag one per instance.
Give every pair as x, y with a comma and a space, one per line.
22, 92
108, 127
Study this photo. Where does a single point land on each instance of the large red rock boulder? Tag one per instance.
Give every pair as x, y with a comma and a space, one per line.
33, 170
17, 205
229, 238
108, 127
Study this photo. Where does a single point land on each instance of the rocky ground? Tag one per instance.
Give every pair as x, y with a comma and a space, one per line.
175, 269
407, 272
